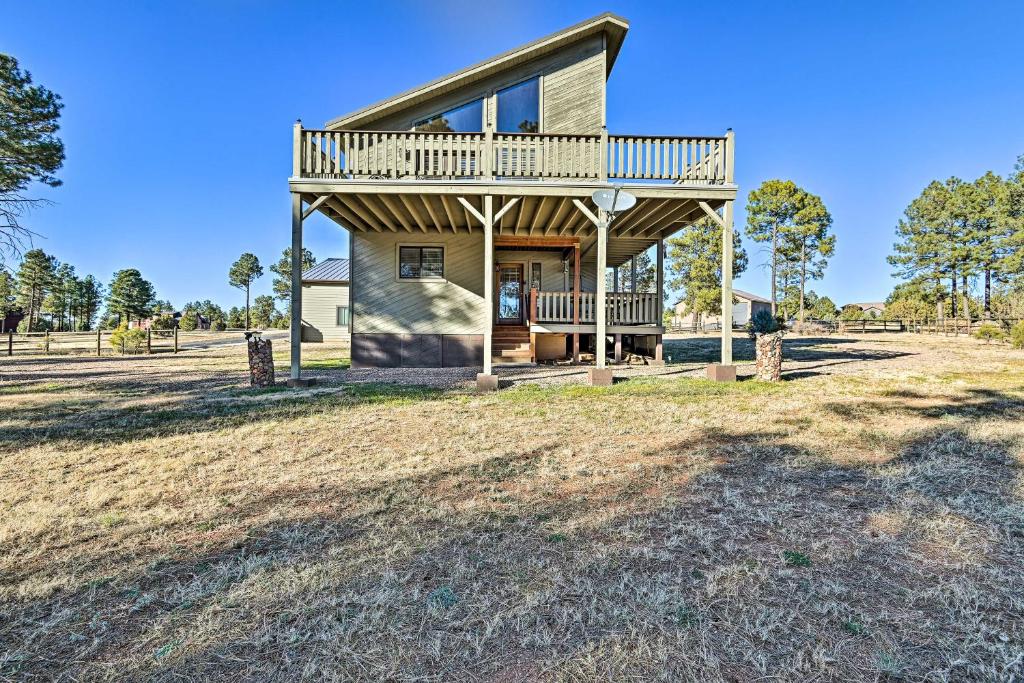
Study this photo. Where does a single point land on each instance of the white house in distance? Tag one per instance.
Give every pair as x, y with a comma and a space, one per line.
745, 306
325, 301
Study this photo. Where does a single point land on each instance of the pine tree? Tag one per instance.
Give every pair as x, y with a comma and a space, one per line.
243, 273
130, 296
30, 150
58, 301
924, 248
88, 296
808, 244
263, 311
771, 212
8, 293
283, 271
35, 278
695, 265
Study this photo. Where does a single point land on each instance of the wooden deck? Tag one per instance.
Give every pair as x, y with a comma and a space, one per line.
395, 155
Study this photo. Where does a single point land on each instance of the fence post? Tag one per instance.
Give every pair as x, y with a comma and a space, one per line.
10, 342
46, 341
99, 339
175, 339
149, 340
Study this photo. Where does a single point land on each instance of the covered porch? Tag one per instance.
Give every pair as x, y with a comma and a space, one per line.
514, 214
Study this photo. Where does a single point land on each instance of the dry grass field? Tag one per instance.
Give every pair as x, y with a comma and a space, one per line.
862, 520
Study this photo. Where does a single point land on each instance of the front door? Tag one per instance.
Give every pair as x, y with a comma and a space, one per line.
510, 294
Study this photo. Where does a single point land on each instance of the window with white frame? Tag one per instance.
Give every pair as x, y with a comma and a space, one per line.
342, 316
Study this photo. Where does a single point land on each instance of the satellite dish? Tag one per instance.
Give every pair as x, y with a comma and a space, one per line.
614, 201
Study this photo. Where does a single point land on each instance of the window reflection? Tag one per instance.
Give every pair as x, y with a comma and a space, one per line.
465, 119
519, 108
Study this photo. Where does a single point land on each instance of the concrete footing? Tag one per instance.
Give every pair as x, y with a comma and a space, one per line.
657, 362
485, 382
301, 383
600, 377
722, 373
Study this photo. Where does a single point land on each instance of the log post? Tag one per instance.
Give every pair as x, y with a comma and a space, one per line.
99, 341
46, 341
576, 303
149, 340
10, 342
175, 340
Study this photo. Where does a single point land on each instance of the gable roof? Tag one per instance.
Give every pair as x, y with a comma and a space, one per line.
328, 270
750, 297
614, 26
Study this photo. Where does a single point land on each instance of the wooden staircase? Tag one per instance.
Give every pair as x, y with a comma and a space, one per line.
511, 344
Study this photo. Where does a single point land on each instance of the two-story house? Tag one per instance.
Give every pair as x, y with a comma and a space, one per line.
474, 235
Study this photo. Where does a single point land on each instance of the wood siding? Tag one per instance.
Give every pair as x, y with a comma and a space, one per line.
572, 98
319, 312
387, 305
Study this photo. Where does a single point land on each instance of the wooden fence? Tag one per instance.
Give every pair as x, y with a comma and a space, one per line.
97, 343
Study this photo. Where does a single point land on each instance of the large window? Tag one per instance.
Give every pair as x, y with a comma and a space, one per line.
342, 314
519, 108
468, 118
420, 263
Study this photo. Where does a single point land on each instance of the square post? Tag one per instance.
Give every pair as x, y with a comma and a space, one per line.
601, 312
660, 306
601, 375
727, 238
632, 274
576, 303
295, 379
487, 381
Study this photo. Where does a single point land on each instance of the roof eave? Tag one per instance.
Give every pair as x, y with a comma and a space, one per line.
614, 25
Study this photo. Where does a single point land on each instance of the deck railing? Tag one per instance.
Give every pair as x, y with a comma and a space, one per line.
355, 154
623, 308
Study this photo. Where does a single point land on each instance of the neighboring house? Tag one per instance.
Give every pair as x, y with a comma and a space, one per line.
201, 322
11, 320
871, 309
744, 307
474, 238
325, 313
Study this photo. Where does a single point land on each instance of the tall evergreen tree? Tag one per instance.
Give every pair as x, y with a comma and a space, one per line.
130, 296
88, 296
30, 150
695, 265
8, 293
35, 278
243, 273
58, 300
807, 244
283, 272
771, 212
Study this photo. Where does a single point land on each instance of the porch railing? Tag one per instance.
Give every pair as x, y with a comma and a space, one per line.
623, 308
355, 154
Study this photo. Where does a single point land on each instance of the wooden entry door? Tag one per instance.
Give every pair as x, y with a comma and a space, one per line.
510, 294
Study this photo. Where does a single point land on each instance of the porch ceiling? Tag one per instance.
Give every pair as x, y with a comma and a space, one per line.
541, 209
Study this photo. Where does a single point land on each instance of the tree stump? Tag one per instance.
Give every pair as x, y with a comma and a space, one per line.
261, 360
768, 355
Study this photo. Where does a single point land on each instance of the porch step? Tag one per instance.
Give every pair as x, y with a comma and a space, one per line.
510, 344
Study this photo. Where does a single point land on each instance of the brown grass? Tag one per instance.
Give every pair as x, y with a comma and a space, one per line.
862, 521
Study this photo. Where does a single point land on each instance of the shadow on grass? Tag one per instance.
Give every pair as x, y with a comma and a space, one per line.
392, 579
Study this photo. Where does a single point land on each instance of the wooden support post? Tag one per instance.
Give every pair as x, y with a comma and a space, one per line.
149, 340
660, 273
618, 348
99, 340
576, 303
632, 275
175, 339
46, 341
296, 294
602, 156
658, 349
601, 313
488, 280
488, 157
10, 342
615, 280
727, 238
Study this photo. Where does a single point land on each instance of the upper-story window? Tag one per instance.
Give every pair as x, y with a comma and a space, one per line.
519, 108
467, 118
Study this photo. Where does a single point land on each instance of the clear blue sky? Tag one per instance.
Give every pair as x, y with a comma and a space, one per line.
178, 114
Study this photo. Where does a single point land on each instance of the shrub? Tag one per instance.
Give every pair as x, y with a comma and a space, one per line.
763, 322
132, 339
189, 320
1017, 335
988, 332
163, 322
